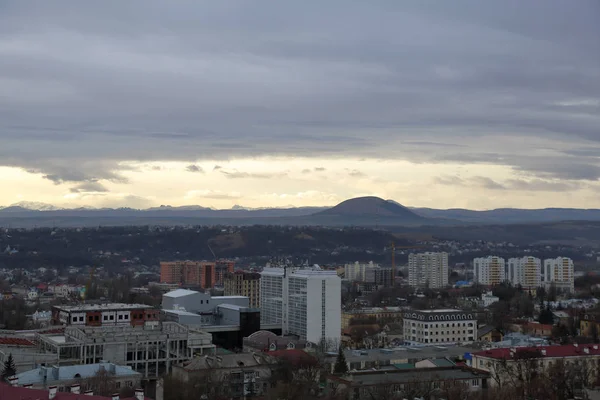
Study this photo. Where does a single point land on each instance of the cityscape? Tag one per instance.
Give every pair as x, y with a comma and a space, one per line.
270, 200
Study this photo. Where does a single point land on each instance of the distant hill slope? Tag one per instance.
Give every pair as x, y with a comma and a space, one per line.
512, 215
370, 207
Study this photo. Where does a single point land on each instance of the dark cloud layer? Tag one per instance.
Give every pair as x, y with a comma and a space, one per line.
511, 83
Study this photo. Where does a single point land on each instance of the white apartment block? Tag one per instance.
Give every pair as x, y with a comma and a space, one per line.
525, 271
357, 271
307, 302
428, 270
489, 271
443, 326
560, 273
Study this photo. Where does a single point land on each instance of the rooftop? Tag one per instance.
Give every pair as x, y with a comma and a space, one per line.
395, 355
180, 293
70, 372
102, 307
568, 350
411, 375
15, 341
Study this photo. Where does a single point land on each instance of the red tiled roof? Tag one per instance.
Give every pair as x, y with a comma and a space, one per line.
568, 350
8, 392
14, 341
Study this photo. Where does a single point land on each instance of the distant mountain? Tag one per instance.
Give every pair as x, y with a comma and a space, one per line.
371, 207
178, 208
511, 215
33, 205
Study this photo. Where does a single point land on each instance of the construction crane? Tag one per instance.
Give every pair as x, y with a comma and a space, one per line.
90, 282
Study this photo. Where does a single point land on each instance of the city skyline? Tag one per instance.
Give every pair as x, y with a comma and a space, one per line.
141, 104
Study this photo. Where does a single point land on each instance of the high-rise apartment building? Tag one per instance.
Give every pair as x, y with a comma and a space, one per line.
243, 283
489, 271
197, 273
525, 271
559, 272
428, 270
357, 271
223, 267
306, 301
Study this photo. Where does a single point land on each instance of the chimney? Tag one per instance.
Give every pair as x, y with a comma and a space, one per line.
28, 386
139, 394
52, 392
576, 345
115, 396
543, 352
595, 347
586, 350
13, 380
89, 392
76, 388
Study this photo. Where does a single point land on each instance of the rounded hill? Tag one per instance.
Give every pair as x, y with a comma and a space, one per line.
370, 206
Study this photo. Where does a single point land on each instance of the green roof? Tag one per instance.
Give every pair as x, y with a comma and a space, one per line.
404, 366
442, 362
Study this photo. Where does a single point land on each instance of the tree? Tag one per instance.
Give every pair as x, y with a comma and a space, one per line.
10, 368
546, 316
340, 363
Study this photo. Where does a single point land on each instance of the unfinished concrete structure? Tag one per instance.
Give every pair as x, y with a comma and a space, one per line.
147, 349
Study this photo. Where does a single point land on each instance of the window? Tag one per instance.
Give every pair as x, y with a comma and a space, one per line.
118, 385
120, 317
129, 384
96, 318
257, 374
74, 319
475, 382
126, 316
80, 319
112, 317
104, 317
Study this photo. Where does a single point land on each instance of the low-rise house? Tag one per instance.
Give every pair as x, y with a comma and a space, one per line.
504, 363
488, 333
235, 376
66, 376
408, 383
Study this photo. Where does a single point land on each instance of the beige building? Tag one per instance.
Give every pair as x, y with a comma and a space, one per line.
428, 270
439, 326
560, 273
489, 271
375, 314
243, 283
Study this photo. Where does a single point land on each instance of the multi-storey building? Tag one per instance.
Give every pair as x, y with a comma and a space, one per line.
380, 276
242, 283
150, 350
489, 271
428, 270
110, 314
439, 326
357, 271
560, 273
525, 271
196, 273
306, 301
222, 268
376, 314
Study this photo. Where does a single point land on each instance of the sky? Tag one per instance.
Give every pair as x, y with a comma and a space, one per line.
469, 103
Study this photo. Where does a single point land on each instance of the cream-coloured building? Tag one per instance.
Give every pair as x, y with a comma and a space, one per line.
243, 283
357, 271
525, 271
442, 326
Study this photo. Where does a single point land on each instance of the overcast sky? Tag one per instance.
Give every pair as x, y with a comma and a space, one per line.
478, 104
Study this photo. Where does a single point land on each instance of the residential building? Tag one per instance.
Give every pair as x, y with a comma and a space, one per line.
503, 363
439, 326
525, 271
357, 271
306, 301
380, 315
560, 273
391, 382
428, 270
67, 376
487, 299
489, 271
105, 315
243, 283
380, 276
245, 374
150, 350
489, 333
223, 267
195, 273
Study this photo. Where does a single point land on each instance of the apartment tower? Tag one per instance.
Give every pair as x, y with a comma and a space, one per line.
489, 271
560, 272
428, 270
243, 283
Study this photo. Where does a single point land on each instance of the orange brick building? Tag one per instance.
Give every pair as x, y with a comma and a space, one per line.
204, 274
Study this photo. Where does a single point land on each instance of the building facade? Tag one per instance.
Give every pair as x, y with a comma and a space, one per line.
306, 301
489, 271
525, 271
439, 327
560, 272
202, 274
242, 283
428, 270
377, 315
111, 314
357, 271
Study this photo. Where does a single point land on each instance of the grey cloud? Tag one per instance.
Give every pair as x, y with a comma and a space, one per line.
448, 180
306, 171
320, 169
487, 183
355, 173
129, 81
89, 187
533, 185
253, 175
194, 168
217, 167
